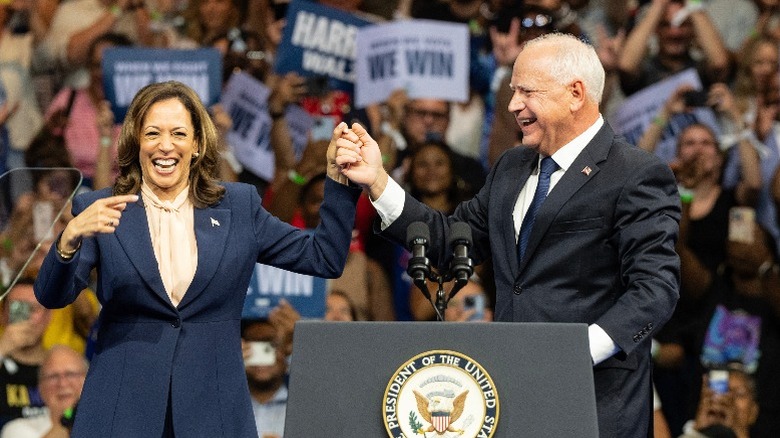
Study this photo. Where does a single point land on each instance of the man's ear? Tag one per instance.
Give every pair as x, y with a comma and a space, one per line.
577, 92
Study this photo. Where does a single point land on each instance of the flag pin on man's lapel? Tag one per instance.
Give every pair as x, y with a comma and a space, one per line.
214, 222
586, 170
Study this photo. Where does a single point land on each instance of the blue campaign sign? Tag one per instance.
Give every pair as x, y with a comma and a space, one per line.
127, 70
319, 41
269, 285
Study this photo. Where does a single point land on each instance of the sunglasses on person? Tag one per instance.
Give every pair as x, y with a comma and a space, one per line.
542, 21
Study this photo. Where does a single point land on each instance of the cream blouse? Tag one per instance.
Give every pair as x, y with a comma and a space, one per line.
172, 227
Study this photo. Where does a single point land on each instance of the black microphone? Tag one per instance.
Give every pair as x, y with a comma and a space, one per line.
461, 266
417, 237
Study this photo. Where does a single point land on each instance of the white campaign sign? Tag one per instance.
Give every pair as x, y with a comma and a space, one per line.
429, 59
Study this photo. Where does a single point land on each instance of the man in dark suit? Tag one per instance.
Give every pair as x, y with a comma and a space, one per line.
600, 250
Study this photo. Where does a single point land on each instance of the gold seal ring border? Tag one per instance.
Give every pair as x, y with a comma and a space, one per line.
452, 353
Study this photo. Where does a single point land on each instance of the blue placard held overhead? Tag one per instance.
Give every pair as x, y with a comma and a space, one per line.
319, 41
127, 70
269, 285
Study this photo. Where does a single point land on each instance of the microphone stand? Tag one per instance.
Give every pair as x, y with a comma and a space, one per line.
442, 299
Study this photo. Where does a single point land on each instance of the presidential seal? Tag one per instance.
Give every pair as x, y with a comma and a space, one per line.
440, 393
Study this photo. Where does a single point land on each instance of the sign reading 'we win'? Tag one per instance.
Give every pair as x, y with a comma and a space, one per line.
269, 285
428, 59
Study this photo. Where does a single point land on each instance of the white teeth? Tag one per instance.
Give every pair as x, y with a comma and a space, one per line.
162, 162
526, 122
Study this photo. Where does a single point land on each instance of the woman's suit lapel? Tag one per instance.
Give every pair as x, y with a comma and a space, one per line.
133, 235
212, 226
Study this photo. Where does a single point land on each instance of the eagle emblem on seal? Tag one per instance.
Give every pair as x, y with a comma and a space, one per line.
440, 411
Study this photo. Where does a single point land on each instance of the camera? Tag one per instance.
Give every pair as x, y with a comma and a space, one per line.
317, 85
695, 98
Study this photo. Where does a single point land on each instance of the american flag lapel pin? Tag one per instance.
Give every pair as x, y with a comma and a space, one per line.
214, 222
586, 170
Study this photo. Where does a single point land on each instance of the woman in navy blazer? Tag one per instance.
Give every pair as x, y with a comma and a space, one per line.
168, 360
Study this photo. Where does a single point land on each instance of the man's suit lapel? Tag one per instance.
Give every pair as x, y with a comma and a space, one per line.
212, 227
133, 235
584, 167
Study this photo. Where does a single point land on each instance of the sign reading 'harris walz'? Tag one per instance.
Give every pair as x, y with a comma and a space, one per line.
319, 41
441, 393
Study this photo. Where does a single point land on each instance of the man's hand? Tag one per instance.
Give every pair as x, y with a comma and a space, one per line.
506, 46
360, 160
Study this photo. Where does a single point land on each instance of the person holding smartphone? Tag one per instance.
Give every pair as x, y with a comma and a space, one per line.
733, 409
266, 370
470, 304
21, 352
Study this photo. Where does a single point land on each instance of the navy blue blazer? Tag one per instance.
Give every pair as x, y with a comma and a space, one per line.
601, 251
148, 351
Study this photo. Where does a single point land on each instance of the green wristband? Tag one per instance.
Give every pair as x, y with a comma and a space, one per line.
296, 177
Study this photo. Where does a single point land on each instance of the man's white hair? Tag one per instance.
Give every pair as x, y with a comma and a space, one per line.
574, 60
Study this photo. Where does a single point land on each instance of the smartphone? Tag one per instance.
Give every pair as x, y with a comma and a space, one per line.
476, 303
742, 221
261, 354
695, 98
719, 381
43, 217
19, 311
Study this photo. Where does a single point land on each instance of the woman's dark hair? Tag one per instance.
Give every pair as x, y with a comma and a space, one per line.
203, 180
456, 189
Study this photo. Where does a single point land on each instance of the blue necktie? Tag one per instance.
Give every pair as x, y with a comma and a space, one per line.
547, 168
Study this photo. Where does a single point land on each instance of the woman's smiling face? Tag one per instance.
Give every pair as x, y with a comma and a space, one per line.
167, 145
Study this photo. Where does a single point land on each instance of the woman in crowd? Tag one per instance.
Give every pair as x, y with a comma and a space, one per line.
432, 180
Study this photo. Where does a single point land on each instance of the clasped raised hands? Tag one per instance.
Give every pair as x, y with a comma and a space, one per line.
358, 156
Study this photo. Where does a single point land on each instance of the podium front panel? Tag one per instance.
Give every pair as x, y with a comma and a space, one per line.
339, 372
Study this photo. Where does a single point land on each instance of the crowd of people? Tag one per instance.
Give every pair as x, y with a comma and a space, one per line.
54, 115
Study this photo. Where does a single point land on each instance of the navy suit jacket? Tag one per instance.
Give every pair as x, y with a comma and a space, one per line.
601, 251
148, 351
